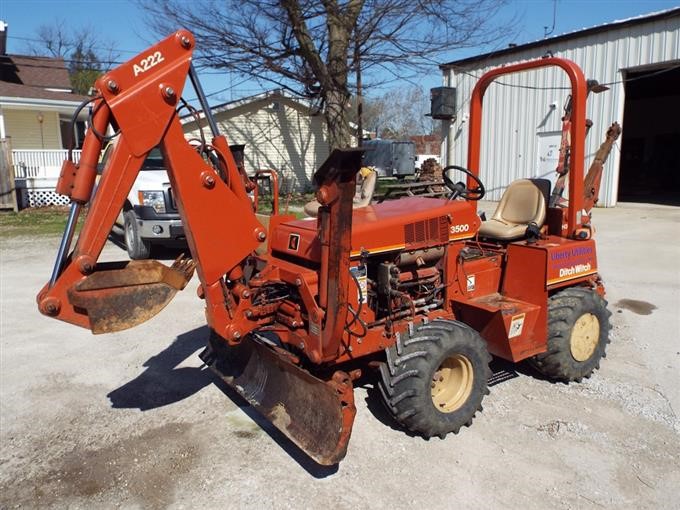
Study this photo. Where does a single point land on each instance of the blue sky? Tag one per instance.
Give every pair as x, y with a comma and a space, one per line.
121, 22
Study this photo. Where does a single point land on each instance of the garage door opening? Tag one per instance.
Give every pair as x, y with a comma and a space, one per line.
650, 146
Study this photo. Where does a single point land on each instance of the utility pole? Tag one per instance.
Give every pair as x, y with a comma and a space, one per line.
360, 106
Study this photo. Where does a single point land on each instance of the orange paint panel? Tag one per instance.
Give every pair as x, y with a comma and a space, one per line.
382, 228
480, 277
136, 91
569, 260
524, 280
508, 325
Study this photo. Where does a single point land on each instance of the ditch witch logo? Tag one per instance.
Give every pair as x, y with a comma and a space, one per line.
579, 268
572, 261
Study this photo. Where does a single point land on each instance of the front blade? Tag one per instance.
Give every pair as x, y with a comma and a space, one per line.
316, 415
118, 296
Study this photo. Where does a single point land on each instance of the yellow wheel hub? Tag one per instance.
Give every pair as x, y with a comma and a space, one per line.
584, 337
452, 383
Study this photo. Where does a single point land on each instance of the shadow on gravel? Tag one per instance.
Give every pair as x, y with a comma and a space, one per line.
162, 383
502, 371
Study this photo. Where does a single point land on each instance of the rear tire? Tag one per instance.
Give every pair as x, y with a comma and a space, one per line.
435, 378
578, 334
137, 247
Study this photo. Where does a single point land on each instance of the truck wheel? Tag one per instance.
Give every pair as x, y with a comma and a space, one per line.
137, 247
578, 334
435, 378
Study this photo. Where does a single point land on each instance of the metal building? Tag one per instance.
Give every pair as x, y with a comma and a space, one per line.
638, 58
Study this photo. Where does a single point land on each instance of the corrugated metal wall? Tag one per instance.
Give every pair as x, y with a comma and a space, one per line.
278, 134
518, 120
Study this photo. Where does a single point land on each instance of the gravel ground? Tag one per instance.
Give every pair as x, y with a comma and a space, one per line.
132, 420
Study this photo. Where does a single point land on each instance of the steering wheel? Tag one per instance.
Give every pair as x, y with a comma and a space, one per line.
459, 189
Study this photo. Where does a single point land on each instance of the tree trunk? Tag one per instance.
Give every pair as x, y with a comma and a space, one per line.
340, 22
335, 114
332, 74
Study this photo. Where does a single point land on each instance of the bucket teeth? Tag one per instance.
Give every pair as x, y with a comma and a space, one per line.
184, 265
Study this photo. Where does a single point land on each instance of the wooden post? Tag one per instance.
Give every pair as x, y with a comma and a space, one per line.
8, 195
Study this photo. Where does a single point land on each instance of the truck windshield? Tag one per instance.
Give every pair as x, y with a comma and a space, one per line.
154, 161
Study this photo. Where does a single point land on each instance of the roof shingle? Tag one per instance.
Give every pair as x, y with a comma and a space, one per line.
29, 77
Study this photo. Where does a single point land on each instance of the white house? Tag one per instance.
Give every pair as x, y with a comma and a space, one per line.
279, 131
638, 58
36, 105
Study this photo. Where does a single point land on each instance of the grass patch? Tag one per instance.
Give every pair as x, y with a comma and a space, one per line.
43, 221
294, 202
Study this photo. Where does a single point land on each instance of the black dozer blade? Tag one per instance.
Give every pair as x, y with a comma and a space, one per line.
316, 415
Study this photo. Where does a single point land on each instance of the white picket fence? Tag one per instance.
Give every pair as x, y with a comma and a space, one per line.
36, 173
40, 163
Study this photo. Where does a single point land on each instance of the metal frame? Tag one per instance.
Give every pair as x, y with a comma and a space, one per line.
579, 92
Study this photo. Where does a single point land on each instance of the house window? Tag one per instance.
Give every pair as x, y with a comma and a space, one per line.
67, 133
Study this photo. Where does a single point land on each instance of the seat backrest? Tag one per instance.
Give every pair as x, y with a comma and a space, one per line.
362, 196
365, 193
544, 185
522, 203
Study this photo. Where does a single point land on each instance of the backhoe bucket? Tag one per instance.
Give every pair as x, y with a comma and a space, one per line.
316, 415
120, 295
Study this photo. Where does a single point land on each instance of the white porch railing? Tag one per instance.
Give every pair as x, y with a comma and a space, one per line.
39, 163
36, 173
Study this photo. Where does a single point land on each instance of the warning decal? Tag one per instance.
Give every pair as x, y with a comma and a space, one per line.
516, 325
360, 273
293, 242
470, 283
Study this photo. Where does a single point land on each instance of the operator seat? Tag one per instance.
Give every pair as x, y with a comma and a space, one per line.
362, 198
522, 203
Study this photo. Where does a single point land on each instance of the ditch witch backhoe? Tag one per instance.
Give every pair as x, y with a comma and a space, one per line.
417, 288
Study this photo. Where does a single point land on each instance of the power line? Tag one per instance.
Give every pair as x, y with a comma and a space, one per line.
66, 61
93, 67
649, 75
30, 39
531, 87
230, 87
396, 78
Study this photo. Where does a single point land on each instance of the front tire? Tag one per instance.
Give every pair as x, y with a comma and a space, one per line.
435, 378
137, 247
578, 334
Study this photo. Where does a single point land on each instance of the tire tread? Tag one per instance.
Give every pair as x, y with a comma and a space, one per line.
564, 308
406, 374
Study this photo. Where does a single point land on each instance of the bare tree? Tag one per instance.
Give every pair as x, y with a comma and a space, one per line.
87, 56
399, 113
311, 47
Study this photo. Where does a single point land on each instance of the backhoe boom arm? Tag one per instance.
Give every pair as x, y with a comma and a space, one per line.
140, 100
